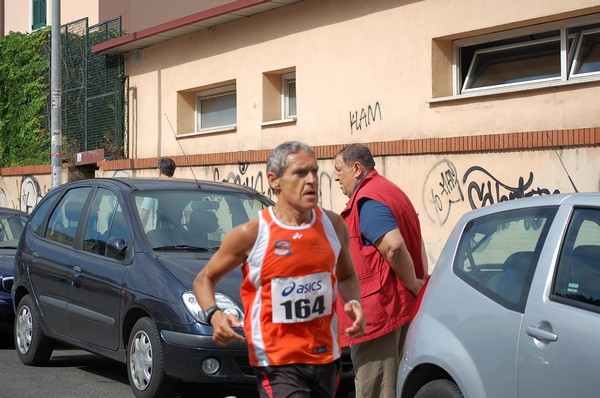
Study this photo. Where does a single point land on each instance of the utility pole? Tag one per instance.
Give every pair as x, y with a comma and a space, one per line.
56, 92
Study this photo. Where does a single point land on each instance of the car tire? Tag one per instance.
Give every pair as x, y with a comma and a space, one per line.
145, 362
32, 346
439, 389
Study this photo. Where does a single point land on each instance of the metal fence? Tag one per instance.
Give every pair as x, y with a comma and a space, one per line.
93, 90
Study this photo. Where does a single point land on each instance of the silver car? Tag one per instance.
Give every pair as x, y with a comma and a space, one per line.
512, 308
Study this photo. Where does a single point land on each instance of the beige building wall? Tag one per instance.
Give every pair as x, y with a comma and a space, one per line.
136, 14
17, 16
392, 57
348, 56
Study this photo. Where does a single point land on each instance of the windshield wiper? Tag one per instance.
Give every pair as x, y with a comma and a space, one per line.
183, 247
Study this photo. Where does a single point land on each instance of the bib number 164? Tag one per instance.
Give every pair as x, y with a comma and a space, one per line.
301, 299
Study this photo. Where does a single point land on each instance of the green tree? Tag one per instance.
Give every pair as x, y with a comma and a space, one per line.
24, 96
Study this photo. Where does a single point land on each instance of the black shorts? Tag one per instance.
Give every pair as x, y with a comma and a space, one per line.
298, 380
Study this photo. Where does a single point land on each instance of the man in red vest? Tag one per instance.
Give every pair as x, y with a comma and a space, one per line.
391, 264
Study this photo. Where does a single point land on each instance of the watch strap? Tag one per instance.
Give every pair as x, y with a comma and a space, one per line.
208, 314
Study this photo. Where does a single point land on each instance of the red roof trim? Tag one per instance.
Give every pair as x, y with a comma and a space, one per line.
177, 23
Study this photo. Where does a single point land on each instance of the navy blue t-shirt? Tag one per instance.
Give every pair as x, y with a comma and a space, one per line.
376, 220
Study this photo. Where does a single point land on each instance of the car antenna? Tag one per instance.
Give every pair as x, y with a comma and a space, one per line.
561, 162
184, 155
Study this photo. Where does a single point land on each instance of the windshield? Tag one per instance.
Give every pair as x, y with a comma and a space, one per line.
11, 226
193, 220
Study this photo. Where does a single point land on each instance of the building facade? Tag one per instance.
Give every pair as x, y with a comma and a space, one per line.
465, 103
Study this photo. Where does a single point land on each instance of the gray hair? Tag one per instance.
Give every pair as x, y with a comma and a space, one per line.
167, 166
277, 162
357, 153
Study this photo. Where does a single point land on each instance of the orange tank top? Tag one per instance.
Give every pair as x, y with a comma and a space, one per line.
289, 292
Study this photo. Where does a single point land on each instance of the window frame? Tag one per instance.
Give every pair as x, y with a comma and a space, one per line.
577, 54
499, 49
286, 80
568, 56
220, 91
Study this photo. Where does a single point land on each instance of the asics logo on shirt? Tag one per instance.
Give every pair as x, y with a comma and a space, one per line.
302, 289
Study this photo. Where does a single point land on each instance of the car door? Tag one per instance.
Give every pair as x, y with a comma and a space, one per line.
50, 259
559, 347
97, 276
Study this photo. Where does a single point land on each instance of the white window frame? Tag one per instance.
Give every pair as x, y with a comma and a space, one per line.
499, 49
577, 57
213, 93
567, 64
286, 80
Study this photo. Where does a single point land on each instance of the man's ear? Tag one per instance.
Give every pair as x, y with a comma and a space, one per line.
358, 170
273, 181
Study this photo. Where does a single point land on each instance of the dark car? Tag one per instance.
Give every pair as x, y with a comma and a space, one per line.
12, 223
107, 265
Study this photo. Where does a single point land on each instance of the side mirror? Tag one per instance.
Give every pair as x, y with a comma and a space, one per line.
116, 248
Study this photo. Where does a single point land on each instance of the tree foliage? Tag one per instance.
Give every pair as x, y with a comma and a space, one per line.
24, 98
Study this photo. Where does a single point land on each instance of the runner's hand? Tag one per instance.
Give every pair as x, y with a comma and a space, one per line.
222, 324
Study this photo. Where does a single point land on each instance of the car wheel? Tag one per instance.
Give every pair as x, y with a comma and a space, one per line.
439, 389
33, 347
145, 363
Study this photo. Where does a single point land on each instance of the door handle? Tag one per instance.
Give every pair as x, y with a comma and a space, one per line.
545, 336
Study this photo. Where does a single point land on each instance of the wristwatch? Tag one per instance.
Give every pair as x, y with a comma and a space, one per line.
208, 314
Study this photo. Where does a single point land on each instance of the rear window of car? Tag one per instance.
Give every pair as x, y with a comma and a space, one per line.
497, 254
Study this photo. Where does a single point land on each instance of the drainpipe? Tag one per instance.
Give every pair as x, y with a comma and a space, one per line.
1, 18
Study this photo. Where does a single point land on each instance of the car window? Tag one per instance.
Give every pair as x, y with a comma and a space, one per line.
11, 226
497, 254
40, 212
193, 218
578, 271
64, 220
97, 227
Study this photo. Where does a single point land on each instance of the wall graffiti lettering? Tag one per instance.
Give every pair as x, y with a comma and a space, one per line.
325, 190
492, 191
364, 117
30, 193
442, 190
3, 198
121, 173
256, 182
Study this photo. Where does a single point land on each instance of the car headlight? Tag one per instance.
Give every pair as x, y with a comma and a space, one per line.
225, 303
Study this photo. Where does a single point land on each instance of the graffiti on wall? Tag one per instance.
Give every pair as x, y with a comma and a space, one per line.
484, 189
259, 183
121, 173
443, 189
30, 193
364, 117
256, 182
3, 198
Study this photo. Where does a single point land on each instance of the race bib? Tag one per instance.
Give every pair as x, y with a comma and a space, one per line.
301, 299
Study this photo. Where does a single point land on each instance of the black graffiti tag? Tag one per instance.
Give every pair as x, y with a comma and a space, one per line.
364, 118
442, 187
494, 191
